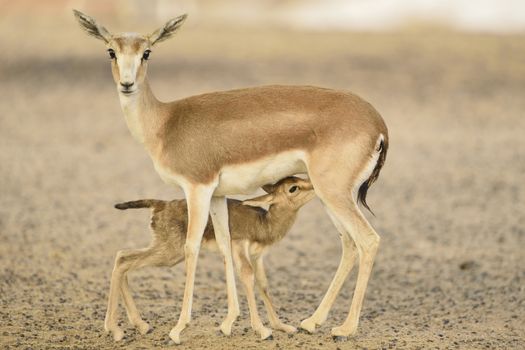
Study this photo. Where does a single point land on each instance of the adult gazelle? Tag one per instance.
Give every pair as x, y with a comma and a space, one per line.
233, 142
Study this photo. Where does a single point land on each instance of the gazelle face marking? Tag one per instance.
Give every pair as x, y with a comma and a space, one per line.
129, 53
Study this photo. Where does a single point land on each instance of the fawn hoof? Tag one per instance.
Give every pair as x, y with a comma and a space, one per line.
118, 334
308, 325
269, 337
143, 327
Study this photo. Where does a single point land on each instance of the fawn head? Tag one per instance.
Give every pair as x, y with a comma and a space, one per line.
129, 52
291, 192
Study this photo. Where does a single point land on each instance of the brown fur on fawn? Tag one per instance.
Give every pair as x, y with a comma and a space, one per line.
252, 228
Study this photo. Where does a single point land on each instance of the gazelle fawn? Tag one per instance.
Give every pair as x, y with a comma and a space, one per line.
233, 142
253, 230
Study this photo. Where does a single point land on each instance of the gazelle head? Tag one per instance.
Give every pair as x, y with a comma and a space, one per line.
129, 52
291, 193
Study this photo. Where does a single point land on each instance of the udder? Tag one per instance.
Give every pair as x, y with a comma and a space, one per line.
246, 178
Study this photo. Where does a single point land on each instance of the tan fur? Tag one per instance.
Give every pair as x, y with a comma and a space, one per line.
330, 135
253, 231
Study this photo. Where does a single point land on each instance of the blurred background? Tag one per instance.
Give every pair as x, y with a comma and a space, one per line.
448, 78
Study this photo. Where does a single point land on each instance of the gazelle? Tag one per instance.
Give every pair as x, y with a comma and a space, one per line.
232, 142
253, 231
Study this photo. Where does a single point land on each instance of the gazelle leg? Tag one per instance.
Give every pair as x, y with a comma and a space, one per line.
262, 284
125, 261
346, 264
367, 243
219, 216
198, 199
335, 191
155, 258
246, 275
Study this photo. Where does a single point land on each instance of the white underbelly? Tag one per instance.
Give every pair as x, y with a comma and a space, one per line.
247, 178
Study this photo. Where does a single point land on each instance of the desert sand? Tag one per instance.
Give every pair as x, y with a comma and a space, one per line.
449, 203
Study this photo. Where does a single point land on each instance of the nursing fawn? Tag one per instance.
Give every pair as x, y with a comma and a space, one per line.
253, 231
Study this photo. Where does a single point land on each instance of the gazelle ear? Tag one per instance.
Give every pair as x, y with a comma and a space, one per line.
261, 201
168, 30
91, 27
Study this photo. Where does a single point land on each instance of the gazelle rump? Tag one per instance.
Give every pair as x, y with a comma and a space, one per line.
232, 142
253, 231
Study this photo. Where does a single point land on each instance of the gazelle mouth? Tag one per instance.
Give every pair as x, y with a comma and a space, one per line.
128, 92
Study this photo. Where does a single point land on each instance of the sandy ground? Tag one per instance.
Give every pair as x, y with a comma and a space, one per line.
449, 202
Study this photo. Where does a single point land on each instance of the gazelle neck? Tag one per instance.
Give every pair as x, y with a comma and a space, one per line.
142, 112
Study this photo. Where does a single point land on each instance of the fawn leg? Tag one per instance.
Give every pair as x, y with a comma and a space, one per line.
155, 256
125, 261
262, 284
246, 275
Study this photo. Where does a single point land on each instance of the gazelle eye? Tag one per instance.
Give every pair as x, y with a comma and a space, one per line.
145, 56
293, 189
112, 54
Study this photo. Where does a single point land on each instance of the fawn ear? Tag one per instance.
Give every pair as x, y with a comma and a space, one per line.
91, 27
305, 184
269, 188
168, 30
261, 201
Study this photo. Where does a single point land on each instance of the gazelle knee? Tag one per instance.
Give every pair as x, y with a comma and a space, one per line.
120, 259
246, 274
223, 244
367, 246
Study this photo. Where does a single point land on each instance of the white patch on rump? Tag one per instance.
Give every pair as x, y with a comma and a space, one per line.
368, 169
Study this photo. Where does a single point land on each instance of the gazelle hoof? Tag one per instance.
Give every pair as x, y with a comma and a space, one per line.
266, 334
175, 336
339, 338
226, 328
342, 332
308, 325
286, 328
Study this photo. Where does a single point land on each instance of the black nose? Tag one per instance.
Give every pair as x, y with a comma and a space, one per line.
127, 85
